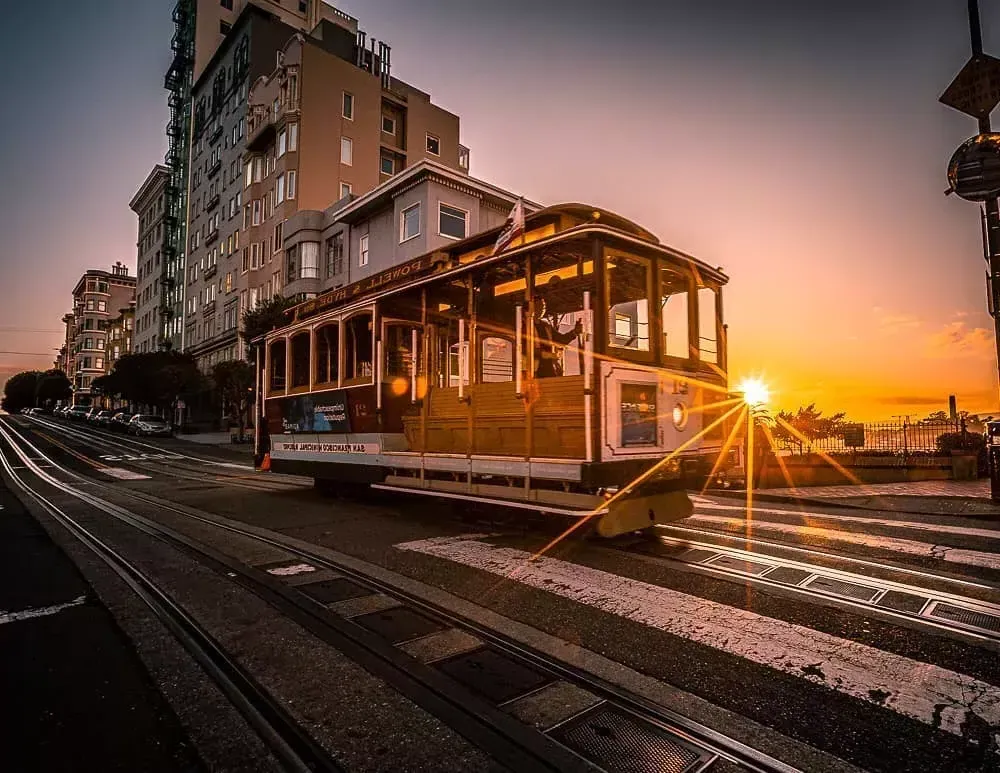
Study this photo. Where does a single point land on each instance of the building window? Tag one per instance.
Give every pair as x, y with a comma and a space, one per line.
291, 184
388, 165
227, 4
348, 106
224, 27
409, 223
277, 235
389, 124
309, 260
346, 151
433, 145
279, 189
292, 263
282, 143
363, 253
102, 305
452, 222
293, 136
255, 256
334, 255
345, 189
256, 211
303, 6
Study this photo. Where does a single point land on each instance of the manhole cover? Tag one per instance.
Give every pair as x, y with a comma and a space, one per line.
329, 591
969, 617
739, 565
848, 590
493, 674
619, 742
902, 602
399, 624
788, 575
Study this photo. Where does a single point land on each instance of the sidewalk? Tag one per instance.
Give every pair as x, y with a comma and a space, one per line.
950, 497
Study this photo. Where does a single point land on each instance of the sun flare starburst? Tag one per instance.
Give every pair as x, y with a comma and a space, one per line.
755, 392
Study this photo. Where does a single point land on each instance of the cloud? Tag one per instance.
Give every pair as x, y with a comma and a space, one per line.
890, 323
910, 400
957, 339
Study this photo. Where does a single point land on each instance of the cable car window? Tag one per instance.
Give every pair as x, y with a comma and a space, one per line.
300, 359
397, 345
358, 349
674, 287
497, 360
628, 281
277, 376
708, 332
327, 343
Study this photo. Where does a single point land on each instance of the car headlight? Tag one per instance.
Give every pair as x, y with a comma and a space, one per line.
680, 415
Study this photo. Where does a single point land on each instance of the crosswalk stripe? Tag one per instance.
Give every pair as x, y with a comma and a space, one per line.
909, 547
931, 694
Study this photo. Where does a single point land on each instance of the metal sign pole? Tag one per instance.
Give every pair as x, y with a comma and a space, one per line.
991, 205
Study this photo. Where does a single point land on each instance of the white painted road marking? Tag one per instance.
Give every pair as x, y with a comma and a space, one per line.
138, 457
287, 571
970, 531
929, 693
909, 547
123, 474
27, 614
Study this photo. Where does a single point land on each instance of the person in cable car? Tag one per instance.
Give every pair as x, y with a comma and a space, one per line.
549, 342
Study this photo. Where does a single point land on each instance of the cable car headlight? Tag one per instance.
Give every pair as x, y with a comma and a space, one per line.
680, 415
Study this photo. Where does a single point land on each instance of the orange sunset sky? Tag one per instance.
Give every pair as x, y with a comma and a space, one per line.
798, 145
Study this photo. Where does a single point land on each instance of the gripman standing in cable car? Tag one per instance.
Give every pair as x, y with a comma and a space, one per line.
549, 342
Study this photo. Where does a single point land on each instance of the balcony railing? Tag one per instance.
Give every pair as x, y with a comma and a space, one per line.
214, 168
216, 134
211, 236
210, 271
208, 308
212, 202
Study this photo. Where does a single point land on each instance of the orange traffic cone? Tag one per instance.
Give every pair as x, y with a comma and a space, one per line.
265, 465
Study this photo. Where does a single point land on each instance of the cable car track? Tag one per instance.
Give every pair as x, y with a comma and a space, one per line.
522, 747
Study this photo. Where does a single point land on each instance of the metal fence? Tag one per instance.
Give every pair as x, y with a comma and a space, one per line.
890, 438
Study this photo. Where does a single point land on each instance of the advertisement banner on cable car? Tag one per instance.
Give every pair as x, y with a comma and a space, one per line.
319, 412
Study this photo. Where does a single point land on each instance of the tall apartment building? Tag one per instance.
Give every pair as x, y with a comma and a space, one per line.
98, 298
152, 277
64, 361
425, 208
200, 27
325, 120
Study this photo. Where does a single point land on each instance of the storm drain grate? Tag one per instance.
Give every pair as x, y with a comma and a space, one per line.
902, 602
841, 588
493, 675
696, 555
618, 742
399, 624
788, 575
329, 591
739, 565
971, 617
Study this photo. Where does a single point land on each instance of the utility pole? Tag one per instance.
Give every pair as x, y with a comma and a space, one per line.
991, 206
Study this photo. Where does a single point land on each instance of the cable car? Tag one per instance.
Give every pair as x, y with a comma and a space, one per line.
579, 372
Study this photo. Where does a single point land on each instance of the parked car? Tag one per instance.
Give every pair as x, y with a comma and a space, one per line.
78, 412
143, 424
103, 418
119, 422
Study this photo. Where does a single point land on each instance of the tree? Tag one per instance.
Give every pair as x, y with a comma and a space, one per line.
52, 386
152, 378
19, 391
234, 380
265, 317
810, 424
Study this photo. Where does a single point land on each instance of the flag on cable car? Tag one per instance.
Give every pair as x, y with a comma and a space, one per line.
512, 228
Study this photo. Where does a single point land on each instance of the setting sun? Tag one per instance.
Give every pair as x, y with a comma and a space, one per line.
755, 392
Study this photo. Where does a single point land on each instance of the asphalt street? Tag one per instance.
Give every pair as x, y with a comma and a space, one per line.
829, 637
